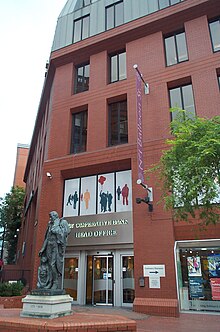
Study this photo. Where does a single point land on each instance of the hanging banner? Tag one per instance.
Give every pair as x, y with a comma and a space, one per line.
140, 157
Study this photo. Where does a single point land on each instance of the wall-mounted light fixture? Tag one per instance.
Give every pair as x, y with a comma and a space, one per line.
146, 199
49, 175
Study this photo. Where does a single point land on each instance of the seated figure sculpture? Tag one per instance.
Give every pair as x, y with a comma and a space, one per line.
52, 253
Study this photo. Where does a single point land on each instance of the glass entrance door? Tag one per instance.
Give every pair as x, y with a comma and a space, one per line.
103, 280
128, 279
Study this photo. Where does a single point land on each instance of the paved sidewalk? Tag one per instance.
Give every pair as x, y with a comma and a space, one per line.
185, 323
87, 315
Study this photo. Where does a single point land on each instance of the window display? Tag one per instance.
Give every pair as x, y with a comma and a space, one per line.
199, 278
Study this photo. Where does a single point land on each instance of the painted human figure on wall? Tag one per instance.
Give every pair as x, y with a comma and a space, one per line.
75, 199
86, 198
118, 192
125, 193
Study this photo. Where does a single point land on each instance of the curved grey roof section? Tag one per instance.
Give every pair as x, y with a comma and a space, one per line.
73, 10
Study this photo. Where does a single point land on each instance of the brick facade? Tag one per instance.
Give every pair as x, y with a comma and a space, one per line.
154, 232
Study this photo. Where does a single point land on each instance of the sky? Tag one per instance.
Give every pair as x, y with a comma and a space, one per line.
27, 29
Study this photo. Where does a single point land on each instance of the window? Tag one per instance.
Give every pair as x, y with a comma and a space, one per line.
182, 97
118, 67
215, 34
118, 123
82, 78
219, 80
79, 132
175, 48
114, 15
155, 5
81, 29
82, 3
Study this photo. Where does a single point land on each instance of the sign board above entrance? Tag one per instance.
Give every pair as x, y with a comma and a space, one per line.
99, 229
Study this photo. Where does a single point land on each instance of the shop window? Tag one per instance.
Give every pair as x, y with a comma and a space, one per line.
175, 48
81, 29
79, 132
118, 66
214, 27
199, 277
82, 78
114, 15
182, 97
118, 123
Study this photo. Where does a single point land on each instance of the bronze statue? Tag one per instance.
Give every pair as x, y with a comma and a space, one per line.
52, 253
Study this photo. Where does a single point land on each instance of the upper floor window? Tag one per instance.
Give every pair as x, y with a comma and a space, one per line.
82, 78
118, 123
79, 132
114, 15
182, 97
215, 34
175, 48
82, 3
118, 67
154, 5
81, 29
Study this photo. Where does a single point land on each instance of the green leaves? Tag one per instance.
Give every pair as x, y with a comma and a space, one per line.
191, 167
11, 212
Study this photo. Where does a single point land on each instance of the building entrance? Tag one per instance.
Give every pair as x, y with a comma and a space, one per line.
100, 280
103, 280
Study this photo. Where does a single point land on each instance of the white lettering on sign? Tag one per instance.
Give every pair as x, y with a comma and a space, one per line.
99, 223
110, 232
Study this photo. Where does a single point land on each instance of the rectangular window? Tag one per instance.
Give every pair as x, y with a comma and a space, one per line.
81, 29
118, 67
164, 4
215, 34
82, 78
79, 132
82, 3
175, 48
114, 15
118, 123
155, 5
182, 97
219, 80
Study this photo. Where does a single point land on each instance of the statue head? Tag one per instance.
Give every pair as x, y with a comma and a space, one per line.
53, 215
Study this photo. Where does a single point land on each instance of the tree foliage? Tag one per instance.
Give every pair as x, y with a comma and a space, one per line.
11, 212
190, 169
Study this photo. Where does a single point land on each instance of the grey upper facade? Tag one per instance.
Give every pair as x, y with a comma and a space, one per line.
97, 12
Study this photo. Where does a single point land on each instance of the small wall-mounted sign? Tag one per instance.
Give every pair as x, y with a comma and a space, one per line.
154, 270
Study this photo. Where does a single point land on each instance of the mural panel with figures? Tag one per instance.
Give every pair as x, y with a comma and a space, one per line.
106, 192
88, 196
71, 198
123, 191
98, 194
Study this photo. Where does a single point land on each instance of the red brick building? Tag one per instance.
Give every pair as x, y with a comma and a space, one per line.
21, 161
83, 155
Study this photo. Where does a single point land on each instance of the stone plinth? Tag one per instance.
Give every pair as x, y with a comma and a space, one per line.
46, 306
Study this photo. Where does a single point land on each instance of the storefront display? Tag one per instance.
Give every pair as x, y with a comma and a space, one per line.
198, 265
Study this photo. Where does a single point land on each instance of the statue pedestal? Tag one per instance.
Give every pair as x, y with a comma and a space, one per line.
46, 306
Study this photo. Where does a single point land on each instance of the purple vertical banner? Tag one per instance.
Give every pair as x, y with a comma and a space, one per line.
140, 157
